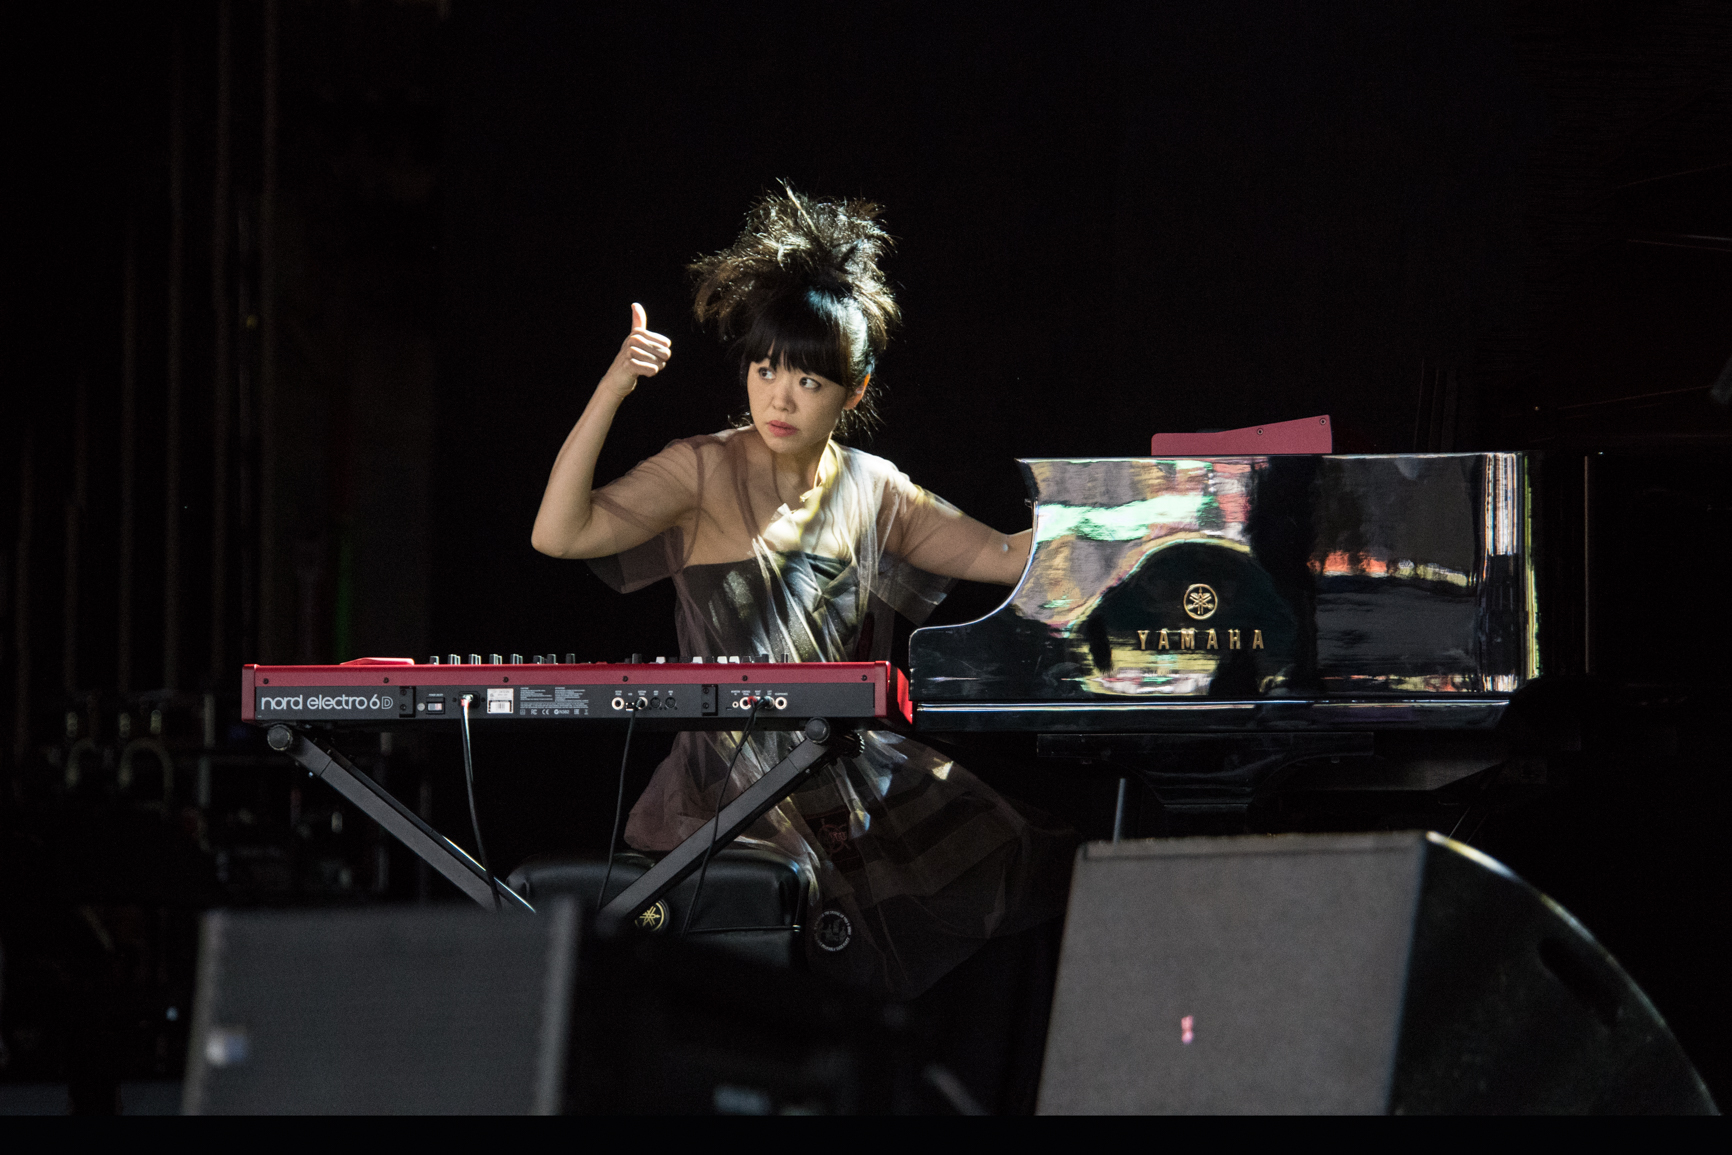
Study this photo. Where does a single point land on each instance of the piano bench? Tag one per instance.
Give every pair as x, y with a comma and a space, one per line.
753, 905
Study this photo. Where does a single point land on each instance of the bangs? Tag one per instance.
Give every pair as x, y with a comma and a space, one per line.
810, 332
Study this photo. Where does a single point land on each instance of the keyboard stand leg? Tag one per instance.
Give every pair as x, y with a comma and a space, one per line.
819, 749
397, 819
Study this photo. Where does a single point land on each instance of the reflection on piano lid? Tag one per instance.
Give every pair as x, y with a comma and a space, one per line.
1208, 593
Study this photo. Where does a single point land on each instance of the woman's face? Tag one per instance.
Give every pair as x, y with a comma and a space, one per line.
795, 411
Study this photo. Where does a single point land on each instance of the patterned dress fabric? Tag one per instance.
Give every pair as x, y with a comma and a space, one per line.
923, 860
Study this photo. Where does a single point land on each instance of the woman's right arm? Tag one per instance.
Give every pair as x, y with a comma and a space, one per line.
570, 523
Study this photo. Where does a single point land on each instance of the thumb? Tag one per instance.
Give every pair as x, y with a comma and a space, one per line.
639, 319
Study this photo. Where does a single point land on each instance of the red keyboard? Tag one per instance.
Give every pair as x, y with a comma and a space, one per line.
683, 695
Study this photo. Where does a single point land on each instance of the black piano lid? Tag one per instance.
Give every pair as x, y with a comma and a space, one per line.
1250, 592
1218, 716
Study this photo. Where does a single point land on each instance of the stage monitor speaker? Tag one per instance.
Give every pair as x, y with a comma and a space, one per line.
396, 1010
1359, 973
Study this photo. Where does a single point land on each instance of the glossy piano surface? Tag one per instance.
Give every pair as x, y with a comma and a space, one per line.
1256, 588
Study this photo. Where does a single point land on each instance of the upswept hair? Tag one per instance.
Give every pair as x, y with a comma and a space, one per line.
802, 284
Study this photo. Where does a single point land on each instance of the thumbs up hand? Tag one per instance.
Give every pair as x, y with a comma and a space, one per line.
642, 354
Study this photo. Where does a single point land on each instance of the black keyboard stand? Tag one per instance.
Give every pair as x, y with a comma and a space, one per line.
821, 745
398, 820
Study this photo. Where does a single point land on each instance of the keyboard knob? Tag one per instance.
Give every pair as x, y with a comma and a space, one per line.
474, 659
571, 659
517, 659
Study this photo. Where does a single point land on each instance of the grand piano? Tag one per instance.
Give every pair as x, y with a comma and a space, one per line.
1223, 630
1215, 626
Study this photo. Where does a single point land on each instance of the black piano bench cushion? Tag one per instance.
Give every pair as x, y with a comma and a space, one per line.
753, 904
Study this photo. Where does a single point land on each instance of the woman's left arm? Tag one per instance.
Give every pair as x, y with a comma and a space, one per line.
1003, 559
942, 540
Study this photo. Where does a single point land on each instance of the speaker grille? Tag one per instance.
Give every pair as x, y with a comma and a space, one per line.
1216, 975
401, 1011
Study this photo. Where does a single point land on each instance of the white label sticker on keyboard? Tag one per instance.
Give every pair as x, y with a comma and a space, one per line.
499, 700
552, 701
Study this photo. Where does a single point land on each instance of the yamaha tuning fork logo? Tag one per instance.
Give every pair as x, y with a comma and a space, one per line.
1200, 602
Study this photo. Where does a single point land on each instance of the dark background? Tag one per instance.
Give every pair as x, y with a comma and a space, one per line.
314, 361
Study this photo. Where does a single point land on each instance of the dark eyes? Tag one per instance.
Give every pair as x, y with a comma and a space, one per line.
811, 384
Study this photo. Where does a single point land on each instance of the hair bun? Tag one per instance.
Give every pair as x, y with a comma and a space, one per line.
795, 243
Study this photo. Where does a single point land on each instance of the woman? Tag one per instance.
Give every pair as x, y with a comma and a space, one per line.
782, 542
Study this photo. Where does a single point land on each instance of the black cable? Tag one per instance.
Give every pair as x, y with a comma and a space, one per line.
716, 822
618, 808
474, 817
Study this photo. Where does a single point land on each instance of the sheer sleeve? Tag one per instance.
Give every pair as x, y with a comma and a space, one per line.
926, 543
931, 534
659, 498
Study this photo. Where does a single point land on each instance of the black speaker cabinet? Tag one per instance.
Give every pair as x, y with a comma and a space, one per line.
1358, 973
400, 1011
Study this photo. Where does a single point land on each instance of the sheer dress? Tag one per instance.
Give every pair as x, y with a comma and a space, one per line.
923, 859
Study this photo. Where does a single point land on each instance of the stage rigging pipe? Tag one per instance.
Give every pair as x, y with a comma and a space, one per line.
1587, 564
1438, 404
269, 610
171, 439
222, 372
75, 506
1419, 413
243, 439
128, 451
21, 601
1451, 406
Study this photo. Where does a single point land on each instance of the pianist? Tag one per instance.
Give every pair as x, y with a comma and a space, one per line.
782, 541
